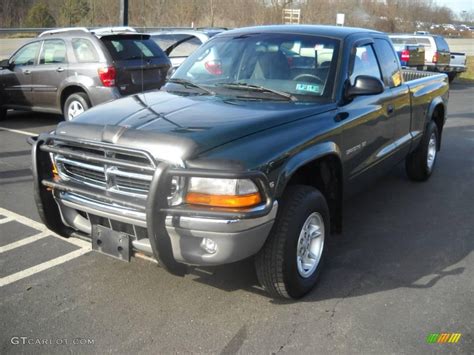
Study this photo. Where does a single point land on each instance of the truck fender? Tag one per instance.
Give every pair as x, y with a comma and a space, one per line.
302, 158
431, 108
440, 121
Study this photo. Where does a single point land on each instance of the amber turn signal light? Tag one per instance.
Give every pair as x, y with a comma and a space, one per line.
233, 201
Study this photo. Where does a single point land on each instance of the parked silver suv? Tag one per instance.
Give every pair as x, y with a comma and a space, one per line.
68, 71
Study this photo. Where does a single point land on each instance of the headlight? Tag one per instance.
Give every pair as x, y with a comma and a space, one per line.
177, 187
222, 192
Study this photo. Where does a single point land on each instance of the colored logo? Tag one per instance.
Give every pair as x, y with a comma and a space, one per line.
443, 338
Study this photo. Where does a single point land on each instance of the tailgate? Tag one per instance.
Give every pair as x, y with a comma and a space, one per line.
135, 76
417, 56
139, 62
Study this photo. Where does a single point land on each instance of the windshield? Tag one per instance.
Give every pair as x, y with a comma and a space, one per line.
264, 66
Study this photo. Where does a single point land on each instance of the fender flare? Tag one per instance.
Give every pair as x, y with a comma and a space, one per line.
431, 108
304, 157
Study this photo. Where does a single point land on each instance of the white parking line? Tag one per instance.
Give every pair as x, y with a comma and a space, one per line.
25, 133
22, 219
5, 220
41, 267
84, 246
24, 241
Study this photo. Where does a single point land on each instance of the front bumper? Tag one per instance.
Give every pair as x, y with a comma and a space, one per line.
174, 236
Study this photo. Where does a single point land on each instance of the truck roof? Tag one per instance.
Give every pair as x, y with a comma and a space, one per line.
330, 31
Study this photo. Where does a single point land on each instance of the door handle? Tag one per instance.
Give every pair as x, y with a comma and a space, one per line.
27, 72
59, 70
390, 109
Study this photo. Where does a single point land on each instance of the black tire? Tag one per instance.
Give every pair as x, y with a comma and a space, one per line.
276, 264
80, 98
451, 76
416, 163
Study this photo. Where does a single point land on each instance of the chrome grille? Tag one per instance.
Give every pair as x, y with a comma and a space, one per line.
106, 167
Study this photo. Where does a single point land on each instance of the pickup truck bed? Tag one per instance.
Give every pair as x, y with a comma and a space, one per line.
234, 161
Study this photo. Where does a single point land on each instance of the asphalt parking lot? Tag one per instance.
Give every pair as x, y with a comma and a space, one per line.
402, 269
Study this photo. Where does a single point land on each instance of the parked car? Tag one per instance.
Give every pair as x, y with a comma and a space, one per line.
70, 70
457, 65
437, 55
180, 44
253, 160
411, 55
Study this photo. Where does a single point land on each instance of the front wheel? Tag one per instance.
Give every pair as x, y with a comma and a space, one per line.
290, 262
75, 104
420, 163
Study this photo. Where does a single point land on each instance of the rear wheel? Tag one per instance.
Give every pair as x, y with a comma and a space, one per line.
420, 163
75, 104
451, 76
289, 264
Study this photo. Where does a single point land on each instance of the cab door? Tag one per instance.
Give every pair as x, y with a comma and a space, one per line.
17, 79
50, 72
368, 129
400, 102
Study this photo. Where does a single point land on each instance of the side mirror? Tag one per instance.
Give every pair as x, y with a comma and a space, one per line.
364, 85
4, 64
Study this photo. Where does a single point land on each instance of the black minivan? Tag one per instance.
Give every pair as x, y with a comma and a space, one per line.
68, 71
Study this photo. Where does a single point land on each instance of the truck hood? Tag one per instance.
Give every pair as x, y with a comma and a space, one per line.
195, 123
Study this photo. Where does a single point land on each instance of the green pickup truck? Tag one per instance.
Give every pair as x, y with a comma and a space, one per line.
248, 151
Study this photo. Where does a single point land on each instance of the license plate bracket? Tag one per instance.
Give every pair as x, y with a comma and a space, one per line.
110, 242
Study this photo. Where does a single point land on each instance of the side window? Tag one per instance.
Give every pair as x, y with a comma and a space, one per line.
53, 52
26, 55
425, 42
365, 63
392, 75
441, 44
84, 50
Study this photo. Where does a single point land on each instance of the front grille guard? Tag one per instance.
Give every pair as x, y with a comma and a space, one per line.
156, 206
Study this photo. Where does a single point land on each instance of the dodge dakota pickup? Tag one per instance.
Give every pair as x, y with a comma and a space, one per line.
249, 150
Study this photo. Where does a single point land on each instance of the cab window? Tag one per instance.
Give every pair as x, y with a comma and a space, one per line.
84, 50
365, 63
53, 52
392, 75
26, 55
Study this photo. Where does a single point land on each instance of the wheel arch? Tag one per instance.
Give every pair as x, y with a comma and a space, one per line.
321, 167
437, 113
69, 90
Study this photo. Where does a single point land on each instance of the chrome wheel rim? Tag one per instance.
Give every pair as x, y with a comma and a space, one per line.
75, 109
431, 152
310, 245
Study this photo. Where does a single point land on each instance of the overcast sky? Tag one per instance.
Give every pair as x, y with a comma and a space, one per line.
457, 5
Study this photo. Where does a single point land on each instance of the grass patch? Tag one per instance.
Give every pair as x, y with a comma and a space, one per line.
468, 75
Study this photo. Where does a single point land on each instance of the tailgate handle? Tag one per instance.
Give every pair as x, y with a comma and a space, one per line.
59, 70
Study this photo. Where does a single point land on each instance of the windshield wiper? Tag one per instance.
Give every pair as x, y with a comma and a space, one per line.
188, 83
251, 87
